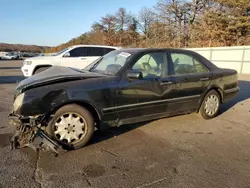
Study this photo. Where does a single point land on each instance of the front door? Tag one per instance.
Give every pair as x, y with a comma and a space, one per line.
76, 59
144, 99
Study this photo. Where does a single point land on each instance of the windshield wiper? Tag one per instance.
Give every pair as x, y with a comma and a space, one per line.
93, 67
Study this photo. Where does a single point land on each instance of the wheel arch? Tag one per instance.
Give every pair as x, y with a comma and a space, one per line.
40, 66
93, 110
217, 89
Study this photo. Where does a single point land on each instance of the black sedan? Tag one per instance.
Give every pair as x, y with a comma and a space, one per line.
62, 107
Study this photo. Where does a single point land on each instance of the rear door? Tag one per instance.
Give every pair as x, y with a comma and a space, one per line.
191, 79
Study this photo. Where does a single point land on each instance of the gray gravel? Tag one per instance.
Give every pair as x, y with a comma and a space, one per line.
183, 151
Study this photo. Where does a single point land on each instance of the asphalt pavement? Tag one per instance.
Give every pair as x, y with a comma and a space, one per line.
182, 151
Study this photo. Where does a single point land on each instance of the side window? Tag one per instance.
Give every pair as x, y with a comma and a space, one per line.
94, 51
107, 50
89, 51
199, 67
152, 65
98, 51
187, 64
78, 52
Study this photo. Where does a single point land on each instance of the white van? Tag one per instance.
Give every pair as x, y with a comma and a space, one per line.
3, 54
78, 56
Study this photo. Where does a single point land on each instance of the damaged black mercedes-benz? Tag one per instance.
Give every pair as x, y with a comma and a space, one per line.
60, 108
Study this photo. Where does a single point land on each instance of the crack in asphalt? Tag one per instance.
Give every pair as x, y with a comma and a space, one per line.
35, 173
153, 182
112, 153
88, 182
86, 176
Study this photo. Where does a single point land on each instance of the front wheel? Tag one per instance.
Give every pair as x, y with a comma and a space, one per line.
72, 125
211, 105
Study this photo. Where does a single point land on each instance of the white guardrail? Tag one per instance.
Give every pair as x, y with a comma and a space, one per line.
236, 57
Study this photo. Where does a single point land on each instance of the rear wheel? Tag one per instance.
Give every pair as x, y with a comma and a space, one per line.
72, 125
211, 105
41, 69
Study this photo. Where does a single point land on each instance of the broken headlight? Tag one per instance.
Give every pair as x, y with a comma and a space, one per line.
18, 102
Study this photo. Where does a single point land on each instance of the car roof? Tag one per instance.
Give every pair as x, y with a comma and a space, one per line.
132, 50
100, 46
140, 50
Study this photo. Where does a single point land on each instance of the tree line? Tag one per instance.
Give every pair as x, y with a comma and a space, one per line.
4, 47
174, 24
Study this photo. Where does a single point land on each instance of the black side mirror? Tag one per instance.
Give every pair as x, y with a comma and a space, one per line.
134, 75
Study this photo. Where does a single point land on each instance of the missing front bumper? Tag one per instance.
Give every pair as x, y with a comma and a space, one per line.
29, 134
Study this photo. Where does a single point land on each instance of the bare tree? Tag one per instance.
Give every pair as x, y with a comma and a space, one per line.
145, 18
171, 13
97, 27
121, 18
109, 22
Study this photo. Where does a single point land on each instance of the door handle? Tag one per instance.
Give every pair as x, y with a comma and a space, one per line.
83, 58
166, 83
204, 79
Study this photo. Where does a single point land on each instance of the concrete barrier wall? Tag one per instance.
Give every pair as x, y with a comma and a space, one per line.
237, 57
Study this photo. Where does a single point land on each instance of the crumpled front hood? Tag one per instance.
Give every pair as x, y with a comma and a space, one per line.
55, 74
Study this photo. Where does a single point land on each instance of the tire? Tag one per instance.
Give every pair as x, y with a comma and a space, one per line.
56, 128
213, 99
41, 69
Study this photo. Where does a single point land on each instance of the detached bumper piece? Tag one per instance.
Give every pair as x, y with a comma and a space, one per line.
30, 135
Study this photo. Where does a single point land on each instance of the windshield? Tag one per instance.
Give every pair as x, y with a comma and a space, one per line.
59, 53
110, 63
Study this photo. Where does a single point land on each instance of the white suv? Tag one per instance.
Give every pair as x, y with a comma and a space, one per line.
78, 56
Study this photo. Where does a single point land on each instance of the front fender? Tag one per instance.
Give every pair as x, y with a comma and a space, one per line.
37, 102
